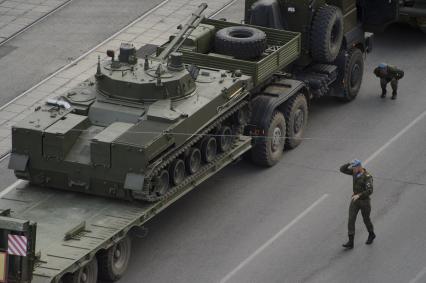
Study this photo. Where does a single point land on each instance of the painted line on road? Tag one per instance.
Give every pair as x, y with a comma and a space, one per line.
85, 54
11, 187
419, 276
397, 136
223, 8
273, 239
4, 156
35, 22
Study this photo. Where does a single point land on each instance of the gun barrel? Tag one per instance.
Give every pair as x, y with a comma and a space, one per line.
192, 23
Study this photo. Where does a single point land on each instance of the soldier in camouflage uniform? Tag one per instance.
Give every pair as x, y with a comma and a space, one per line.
362, 189
389, 74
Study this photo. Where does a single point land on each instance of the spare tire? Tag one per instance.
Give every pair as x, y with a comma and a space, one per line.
240, 42
326, 34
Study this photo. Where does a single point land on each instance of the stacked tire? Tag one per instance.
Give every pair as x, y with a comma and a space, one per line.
326, 35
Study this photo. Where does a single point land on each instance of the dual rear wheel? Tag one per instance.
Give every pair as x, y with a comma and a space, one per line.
284, 130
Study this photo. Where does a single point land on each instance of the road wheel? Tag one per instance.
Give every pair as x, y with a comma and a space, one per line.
177, 171
242, 42
193, 160
268, 150
353, 73
326, 33
86, 274
242, 116
225, 138
208, 149
114, 261
161, 183
296, 114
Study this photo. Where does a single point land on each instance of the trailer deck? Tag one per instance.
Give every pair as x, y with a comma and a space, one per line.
73, 227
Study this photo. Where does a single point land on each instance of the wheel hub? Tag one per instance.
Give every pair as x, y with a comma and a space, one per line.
83, 276
299, 119
117, 253
276, 138
355, 74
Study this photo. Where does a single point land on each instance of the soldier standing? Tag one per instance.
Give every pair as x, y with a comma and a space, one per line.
389, 74
362, 189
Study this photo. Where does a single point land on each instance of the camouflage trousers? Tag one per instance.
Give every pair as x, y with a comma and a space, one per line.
393, 82
365, 206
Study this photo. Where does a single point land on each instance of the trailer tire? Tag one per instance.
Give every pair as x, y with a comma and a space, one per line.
296, 115
326, 33
240, 42
114, 261
268, 151
353, 73
89, 272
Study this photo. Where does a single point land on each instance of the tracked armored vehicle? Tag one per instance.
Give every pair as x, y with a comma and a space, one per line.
137, 130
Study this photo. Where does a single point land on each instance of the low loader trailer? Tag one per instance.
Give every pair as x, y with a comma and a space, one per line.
99, 162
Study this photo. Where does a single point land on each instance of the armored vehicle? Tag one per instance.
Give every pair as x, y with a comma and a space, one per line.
152, 128
137, 130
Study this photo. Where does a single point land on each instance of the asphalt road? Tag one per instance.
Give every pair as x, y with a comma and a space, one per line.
287, 223
60, 38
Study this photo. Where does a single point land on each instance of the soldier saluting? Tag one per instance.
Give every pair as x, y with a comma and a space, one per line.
362, 189
389, 74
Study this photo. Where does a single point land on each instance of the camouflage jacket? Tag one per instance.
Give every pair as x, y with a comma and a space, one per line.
389, 73
362, 183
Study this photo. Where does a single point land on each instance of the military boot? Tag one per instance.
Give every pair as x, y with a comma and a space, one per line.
350, 244
383, 93
394, 94
371, 237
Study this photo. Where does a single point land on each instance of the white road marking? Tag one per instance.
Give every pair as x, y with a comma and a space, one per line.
85, 54
222, 9
11, 187
397, 136
280, 233
35, 22
419, 276
273, 239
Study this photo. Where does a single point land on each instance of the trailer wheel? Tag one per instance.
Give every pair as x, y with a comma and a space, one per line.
113, 262
177, 171
268, 151
193, 160
225, 138
353, 73
241, 42
208, 149
296, 115
86, 274
326, 33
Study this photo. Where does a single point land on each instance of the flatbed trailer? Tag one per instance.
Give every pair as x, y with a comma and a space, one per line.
72, 228
66, 233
